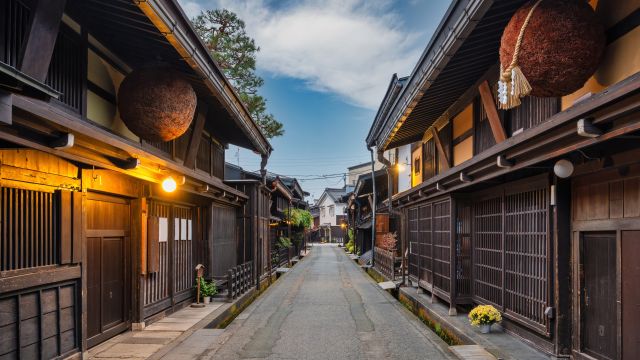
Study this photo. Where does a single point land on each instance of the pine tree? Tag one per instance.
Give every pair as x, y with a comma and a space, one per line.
235, 52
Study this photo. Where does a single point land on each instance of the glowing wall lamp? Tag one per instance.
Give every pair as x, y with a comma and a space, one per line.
169, 184
563, 168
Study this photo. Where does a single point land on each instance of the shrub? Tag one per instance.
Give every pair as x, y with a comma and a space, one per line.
207, 288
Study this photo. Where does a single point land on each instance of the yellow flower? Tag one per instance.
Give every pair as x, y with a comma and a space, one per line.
484, 315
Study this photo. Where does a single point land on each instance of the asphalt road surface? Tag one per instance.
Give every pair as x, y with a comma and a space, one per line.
326, 308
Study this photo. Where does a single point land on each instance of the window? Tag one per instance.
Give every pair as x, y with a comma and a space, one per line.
332, 210
463, 135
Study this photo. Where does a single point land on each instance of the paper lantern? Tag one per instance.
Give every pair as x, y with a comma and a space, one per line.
549, 48
156, 103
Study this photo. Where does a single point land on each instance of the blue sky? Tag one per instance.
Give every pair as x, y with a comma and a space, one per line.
326, 65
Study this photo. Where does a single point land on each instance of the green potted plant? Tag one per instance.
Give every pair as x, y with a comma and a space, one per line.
207, 290
484, 316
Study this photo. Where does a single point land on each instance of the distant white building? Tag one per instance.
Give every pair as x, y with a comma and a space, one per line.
354, 171
331, 205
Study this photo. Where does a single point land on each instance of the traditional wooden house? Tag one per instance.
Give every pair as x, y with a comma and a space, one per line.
534, 209
360, 207
102, 226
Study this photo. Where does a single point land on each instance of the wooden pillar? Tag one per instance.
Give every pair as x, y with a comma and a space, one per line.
37, 49
561, 260
139, 213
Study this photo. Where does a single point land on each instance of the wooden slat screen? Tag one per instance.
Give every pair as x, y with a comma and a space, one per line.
183, 273
218, 160
525, 242
156, 285
442, 245
14, 22
425, 245
532, 112
29, 229
428, 159
463, 249
487, 251
511, 252
203, 158
182, 142
66, 69
483, 135
413, 243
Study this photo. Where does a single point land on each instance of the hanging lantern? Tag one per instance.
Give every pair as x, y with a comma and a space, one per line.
156, 103
549, 48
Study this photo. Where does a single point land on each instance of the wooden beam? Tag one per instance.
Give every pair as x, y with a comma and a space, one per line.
41, 39
6, 103
196, 136
443, 154
492, 112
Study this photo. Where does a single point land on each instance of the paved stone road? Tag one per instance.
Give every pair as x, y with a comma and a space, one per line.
325, 308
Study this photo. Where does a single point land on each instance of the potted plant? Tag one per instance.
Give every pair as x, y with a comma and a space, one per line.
484, 316
207, 290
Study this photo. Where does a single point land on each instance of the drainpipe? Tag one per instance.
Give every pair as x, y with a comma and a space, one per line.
373, 208
263, 168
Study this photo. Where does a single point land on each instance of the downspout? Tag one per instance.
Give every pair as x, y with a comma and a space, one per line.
373, 208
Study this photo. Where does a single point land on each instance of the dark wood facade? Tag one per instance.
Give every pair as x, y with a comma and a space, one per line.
90, 244
553, 254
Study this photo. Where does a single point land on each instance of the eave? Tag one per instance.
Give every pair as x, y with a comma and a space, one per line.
462, 49
615, 107
96, 146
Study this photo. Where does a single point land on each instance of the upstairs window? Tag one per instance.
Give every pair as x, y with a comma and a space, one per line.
463, 135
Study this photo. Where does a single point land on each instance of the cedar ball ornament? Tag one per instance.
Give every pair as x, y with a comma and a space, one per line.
156, 103
549, 48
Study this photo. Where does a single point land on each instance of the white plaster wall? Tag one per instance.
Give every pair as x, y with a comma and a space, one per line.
404, 177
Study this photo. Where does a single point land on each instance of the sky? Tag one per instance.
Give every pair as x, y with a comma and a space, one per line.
326, 66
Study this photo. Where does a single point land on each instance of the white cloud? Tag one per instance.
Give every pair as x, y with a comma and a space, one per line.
346, 47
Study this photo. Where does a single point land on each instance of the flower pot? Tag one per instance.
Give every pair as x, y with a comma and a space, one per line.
206, 299
485, 328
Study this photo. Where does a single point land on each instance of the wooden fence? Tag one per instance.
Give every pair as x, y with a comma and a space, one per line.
239, 280
385, 263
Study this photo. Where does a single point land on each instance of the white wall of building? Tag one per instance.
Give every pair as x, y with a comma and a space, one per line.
404, 177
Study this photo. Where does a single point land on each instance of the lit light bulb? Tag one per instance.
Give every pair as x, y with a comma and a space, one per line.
400, 167
169, 184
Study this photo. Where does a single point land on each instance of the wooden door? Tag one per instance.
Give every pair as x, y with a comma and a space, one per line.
598, 295
630, 245
224, 244
107, 224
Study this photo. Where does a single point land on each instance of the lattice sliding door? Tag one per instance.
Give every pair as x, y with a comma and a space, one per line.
487, 251
425, 244
442, 246
526, 247
413, 243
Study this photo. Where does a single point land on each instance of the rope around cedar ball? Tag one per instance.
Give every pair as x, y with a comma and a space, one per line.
512, 77
549, 49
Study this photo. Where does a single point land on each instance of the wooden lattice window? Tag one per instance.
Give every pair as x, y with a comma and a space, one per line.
425, 244
487, 251
66, 68
511, 252
442, 245
526, 254
29, 230
14, 22
413, 243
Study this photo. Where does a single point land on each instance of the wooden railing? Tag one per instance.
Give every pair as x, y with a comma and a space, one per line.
280, 257
239, 280
385, 263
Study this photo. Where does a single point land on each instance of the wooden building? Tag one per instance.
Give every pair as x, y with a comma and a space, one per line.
536, 209
91, 245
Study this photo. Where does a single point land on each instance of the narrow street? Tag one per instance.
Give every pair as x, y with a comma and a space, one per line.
326, 308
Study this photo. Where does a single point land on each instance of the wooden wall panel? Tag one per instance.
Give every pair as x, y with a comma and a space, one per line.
77, 229
65, 226
153, 244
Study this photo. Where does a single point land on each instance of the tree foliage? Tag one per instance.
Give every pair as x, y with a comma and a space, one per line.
300, 218
235, 52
